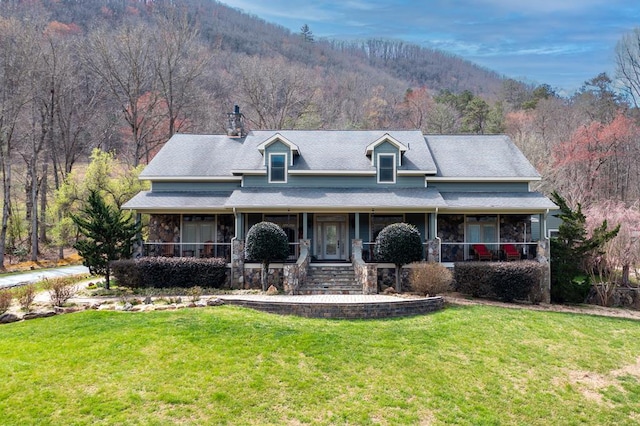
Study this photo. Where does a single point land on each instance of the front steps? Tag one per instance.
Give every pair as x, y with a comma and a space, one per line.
336, 278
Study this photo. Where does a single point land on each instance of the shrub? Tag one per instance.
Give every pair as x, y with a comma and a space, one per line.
168, 272
398, 243
506, 281
60, 290
265, 243
194, 293
430, 278
26, 294
6, 297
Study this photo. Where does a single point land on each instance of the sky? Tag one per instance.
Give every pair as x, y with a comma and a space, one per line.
562, 43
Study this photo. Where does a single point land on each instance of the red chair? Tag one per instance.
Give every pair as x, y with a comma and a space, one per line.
482, 252
511, 252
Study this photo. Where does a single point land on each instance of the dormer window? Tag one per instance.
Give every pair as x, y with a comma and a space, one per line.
277, 168
386, 168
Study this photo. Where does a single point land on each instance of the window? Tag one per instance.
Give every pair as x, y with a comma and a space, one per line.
386, 168
277, 168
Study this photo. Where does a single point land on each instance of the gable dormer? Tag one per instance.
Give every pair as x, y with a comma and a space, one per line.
386, 156
278, 153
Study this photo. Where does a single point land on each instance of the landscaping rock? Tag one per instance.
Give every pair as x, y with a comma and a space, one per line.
148, 300
127, 307
8, 317
95, 306
390, 290
272, 290
215, 302
34, 315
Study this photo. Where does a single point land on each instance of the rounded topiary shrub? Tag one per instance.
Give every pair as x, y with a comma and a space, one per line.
398, 243
430, 278
266, 242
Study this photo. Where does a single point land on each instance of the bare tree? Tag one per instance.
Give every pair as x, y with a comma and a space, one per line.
15, 48
275, 92
628, 64
123, 60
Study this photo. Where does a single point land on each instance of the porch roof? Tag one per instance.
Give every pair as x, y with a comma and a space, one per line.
178, 201
499, 201
337, 198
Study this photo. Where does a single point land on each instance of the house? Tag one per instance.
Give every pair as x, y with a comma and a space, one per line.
332, 192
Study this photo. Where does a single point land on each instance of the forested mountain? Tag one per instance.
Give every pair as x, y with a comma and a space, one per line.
124, 75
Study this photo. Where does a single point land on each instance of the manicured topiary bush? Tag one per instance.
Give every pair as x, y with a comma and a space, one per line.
165, 272
505, 281
266, 242
398, 243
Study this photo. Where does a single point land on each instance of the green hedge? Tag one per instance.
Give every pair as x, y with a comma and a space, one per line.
168, 272
506, 281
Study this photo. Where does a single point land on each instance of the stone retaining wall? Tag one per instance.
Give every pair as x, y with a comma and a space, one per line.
400, 308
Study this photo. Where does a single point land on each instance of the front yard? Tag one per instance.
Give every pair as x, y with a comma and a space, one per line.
463, 365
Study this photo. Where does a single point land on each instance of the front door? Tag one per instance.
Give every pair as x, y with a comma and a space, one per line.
331, 240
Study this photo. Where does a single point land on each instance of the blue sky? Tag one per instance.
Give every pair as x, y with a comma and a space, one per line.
559, 42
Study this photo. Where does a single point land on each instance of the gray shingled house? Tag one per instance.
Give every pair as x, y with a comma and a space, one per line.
333, 191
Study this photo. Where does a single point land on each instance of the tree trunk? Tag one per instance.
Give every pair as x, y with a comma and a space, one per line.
43, 204
6, 210
398, 280
263, 276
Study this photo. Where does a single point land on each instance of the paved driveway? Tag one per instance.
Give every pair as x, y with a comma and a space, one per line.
14, 280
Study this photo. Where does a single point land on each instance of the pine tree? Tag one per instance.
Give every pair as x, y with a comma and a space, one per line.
108, 232
571, 250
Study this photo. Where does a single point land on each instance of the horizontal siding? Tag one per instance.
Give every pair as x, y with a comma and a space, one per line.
334, 182
193, 186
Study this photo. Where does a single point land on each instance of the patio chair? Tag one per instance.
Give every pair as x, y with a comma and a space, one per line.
168, 250
511, 252
482, 252
207, 250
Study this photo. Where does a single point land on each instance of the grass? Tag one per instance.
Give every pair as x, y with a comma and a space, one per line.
229, 365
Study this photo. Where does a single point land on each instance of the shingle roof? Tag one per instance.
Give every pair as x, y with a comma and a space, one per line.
497, 200
352, 198
179, 200
349, 198
194, 156
482, 156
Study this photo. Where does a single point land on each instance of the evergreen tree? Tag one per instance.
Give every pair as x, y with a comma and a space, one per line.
399, 243
265, 243
571, 250
108, 232
306, 34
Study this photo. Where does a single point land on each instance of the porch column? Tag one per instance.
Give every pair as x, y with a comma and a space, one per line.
357, 230
305, 220
239, 231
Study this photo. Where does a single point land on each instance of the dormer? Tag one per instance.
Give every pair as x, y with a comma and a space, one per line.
386, 156
277, 154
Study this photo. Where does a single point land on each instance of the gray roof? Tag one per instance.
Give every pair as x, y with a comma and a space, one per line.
497, 200
351, 198
481, 156
344, 198
194, 156
336, 149
147, 200
216, 155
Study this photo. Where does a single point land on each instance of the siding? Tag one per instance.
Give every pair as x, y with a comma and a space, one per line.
480, 186
315, 181
193, 186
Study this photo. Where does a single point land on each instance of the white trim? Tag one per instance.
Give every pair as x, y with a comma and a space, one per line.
192, 178
482, 179
293, 148
386, 138
415, 172
286, 166
249, 172
395, 167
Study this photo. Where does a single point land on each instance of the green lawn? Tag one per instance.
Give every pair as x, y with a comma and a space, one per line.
229, 365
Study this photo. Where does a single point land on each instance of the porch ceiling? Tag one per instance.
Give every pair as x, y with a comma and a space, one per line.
340, 198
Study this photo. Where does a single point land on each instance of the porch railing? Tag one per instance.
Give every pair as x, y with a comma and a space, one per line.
205, 249
459, 252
